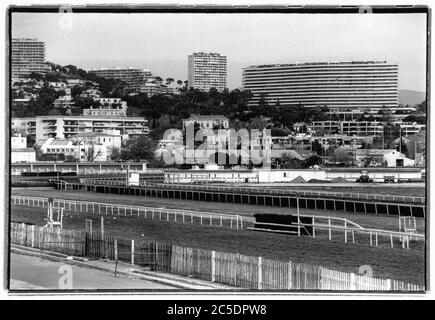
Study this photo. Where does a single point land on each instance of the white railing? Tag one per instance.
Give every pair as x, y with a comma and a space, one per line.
213, 219
350, 227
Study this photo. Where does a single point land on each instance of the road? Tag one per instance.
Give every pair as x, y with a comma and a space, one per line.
28, 272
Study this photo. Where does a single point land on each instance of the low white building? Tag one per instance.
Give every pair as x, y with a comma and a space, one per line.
91, 93
390, 157
65, 101
207, 176
75, 82
207, 121
78, 149
18, 142
23, 155
112, 140
19, 150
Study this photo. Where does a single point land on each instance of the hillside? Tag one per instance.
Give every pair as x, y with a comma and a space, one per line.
411, 97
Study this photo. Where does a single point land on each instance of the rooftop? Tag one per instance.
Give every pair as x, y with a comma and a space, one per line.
119, 68
59, 142
318, 63
207, 117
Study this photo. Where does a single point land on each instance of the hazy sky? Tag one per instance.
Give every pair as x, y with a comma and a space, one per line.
162, 42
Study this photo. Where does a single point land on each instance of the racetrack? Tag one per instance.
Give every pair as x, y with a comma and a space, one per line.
396, 263
365, 220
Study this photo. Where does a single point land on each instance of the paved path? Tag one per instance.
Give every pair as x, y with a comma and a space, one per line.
28, 272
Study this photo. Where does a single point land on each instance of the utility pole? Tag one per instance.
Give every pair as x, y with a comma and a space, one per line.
400, 141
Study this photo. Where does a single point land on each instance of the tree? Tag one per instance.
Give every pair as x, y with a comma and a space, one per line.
257, 123
92, 153
141, 148
422, 107
415, 118
401, 147
342, 155
391, 132
36, 76
312, 161
30, 142
317, 148
76, 91
169, 81
115, 154
70, 158
54, 112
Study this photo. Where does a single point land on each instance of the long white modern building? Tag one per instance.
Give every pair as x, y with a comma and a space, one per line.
41, 128
206, 71
369, 85
135, 78
28, 55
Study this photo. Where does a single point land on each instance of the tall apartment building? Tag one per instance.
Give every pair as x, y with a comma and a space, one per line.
28, 55
206, 71
340, 86
134, 78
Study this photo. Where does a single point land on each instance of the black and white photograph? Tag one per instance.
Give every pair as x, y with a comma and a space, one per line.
217, 149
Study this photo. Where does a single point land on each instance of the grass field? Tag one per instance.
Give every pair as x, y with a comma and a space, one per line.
368, 221
394, 263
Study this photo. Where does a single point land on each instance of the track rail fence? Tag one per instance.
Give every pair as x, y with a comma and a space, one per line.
309, 202
264, 190
348, 231
237, 270
232, 221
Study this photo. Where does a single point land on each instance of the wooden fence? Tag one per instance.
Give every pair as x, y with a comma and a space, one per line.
241, 271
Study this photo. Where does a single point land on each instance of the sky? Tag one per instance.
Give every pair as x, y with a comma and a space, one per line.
162, 42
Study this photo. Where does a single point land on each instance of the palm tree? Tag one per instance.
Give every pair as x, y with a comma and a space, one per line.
169, 81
